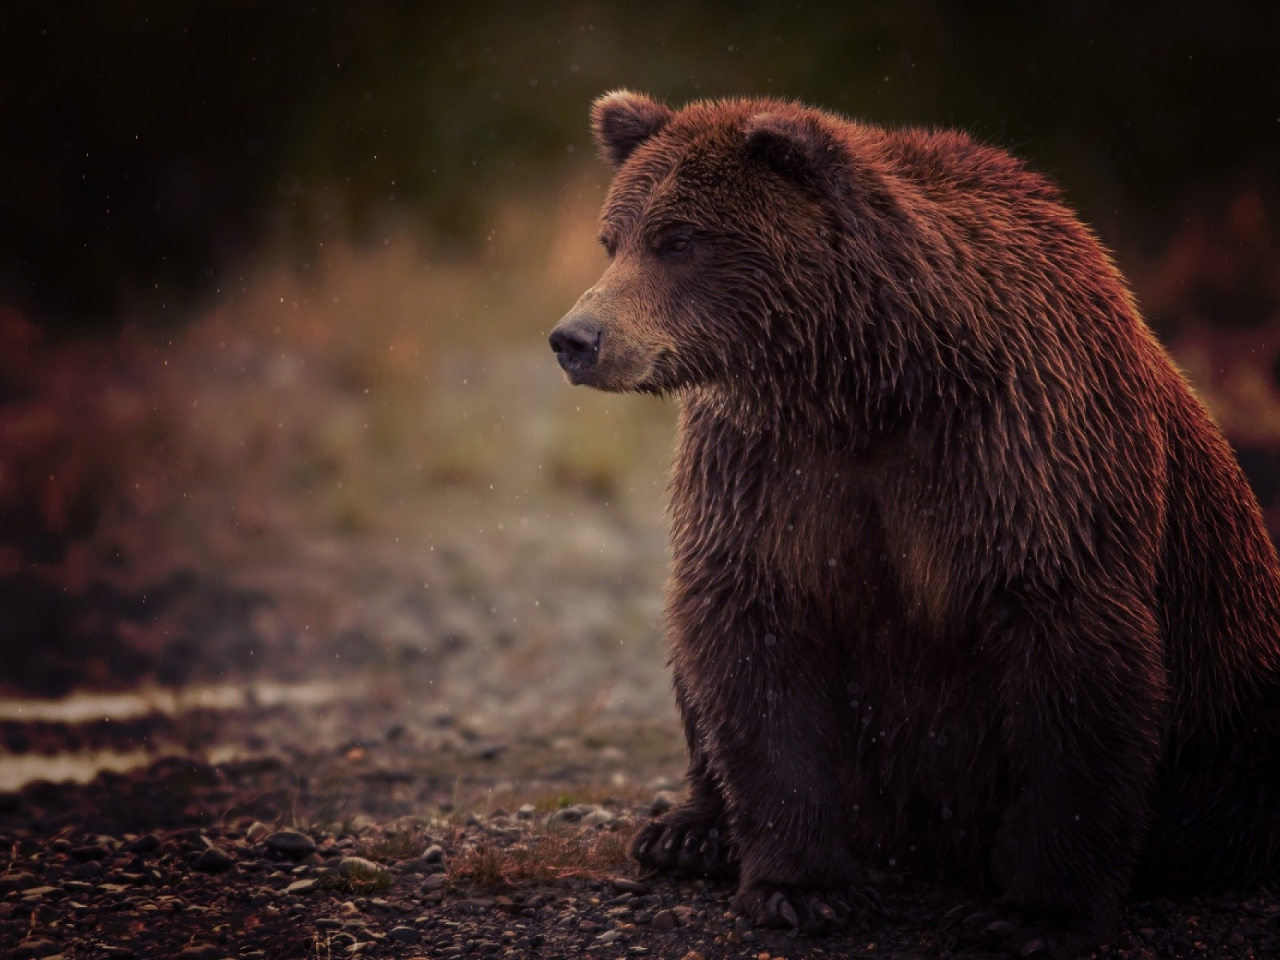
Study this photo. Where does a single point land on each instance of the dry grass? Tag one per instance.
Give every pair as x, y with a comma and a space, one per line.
359, 880
549, 855
395, 845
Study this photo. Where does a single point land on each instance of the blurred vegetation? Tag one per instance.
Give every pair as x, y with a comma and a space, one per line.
154, 153
275, 279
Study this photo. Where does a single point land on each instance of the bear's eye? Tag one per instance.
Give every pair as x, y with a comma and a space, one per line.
673, 244
610, 245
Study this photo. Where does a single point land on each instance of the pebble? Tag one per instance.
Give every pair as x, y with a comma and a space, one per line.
663, 801
36, 947
17, 880
291, 844
213, 860
664, 920
684, 913
404, 934
350, 865
626, 885
434, 882
198, 951
144, 844
433, 854
570, 814
301, 886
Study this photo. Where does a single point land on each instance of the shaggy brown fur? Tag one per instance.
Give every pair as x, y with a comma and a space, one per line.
963, 575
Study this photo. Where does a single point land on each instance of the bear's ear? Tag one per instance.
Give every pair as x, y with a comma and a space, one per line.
794, 145
623, 120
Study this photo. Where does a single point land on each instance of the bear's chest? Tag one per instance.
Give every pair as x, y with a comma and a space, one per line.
856, 534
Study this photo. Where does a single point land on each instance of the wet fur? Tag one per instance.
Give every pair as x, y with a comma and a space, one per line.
963, 574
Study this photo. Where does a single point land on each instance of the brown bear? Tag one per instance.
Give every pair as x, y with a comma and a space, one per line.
963, 573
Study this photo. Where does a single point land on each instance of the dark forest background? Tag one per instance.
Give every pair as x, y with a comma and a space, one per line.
149, 148
276, 278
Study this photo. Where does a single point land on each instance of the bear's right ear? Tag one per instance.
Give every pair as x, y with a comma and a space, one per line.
623, 120
795, 144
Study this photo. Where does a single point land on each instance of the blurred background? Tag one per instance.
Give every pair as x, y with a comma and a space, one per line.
279, 429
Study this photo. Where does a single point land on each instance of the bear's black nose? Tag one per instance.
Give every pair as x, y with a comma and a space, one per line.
576, 343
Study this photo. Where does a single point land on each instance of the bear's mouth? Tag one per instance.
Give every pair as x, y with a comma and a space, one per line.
661, 375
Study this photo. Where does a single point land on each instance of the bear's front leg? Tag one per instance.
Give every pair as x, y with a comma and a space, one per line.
764, 700
1083, 696
693, 838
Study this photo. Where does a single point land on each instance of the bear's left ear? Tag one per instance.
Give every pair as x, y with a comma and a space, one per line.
794, 145
623, 120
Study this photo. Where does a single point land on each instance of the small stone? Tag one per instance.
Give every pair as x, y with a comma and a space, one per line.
609, 936
36, 893
526, 812
198, 951
693, 955
113, 952
684, 913
404, 934
598, 818
144, 844
434, 882
349, 865
664, 920
213, 860
301, 886
573, 814
433, 854
663, 801
290, 844
473, 906
37, 947
626, 885
92, 852
18, 880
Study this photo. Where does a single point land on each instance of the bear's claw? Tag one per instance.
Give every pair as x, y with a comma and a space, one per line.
675, 845
806, 910
1014, 934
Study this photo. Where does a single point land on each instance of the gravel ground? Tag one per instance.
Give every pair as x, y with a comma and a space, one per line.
268, 859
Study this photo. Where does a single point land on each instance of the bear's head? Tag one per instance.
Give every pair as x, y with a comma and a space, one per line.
719, 228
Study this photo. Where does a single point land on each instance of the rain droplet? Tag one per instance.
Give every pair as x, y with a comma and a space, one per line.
942, 740
770, 639
855, 687
853, 703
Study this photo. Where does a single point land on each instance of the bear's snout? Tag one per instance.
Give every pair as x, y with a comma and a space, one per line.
576, 342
